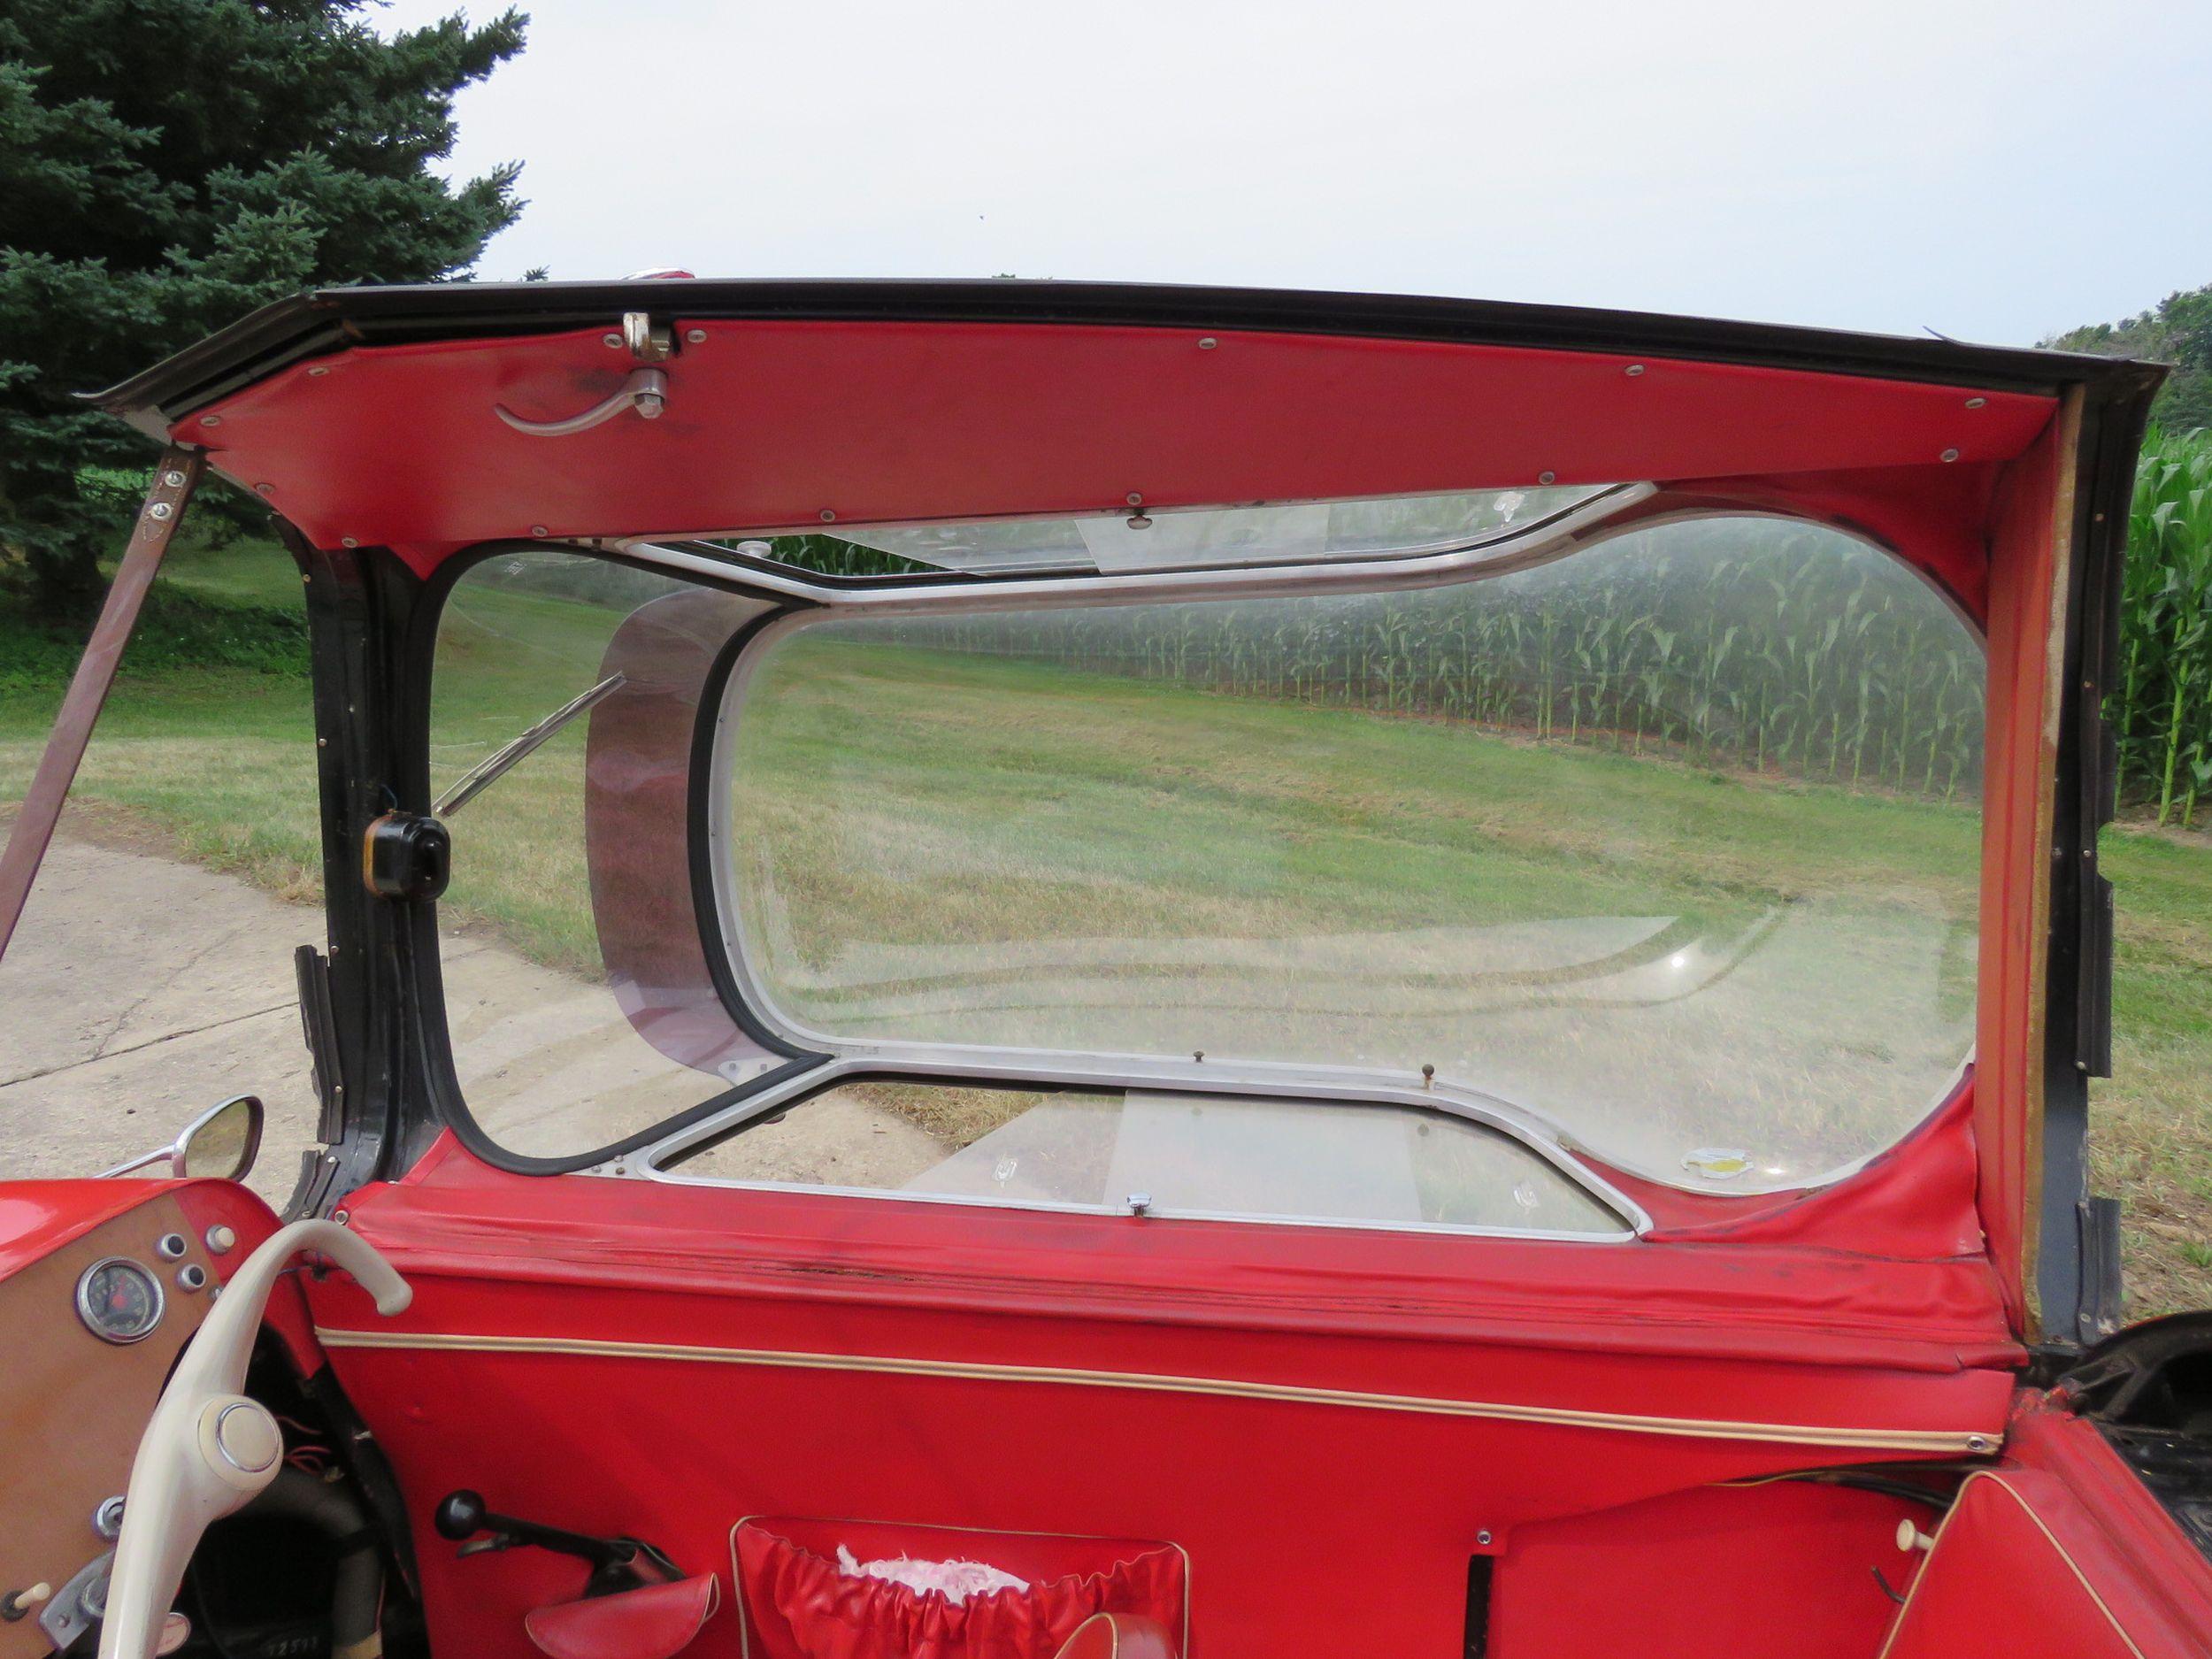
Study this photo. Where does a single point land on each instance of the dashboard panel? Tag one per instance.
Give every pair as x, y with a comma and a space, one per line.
102, 1283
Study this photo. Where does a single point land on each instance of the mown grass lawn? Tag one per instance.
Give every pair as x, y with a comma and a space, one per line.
221, 757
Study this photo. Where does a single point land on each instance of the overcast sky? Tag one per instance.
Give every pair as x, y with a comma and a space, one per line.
1992, 171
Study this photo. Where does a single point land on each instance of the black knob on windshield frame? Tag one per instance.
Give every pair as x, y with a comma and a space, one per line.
460, 1515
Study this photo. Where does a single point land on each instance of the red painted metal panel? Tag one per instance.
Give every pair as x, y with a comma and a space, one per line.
774, 424
38, 1218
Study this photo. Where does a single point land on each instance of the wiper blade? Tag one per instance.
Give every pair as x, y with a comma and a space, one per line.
496, 764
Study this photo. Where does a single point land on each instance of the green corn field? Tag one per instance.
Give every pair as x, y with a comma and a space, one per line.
2162, 703
1748, 644
1753, 644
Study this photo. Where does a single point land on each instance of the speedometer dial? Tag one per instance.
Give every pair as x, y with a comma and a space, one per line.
118, 1299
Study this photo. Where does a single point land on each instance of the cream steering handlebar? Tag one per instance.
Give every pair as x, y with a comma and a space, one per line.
208, 1450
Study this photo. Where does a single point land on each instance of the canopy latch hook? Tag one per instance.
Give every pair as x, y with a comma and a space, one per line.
645, 390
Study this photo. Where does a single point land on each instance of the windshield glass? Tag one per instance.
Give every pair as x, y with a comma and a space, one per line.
1674, 840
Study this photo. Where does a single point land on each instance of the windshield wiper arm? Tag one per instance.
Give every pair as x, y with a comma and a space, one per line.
496, 764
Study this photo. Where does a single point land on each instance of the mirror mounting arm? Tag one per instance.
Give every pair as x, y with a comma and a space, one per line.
178, 1154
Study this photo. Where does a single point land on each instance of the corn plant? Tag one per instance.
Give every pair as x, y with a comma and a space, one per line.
2162, 706
1751, 644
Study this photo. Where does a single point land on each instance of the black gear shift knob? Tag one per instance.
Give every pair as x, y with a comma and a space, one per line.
460, 1515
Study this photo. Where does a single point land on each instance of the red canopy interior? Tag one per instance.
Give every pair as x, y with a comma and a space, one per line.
787, 423
779, 424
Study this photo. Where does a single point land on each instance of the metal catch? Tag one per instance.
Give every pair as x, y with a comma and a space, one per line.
646, 390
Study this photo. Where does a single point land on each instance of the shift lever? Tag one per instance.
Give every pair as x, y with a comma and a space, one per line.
617, 1563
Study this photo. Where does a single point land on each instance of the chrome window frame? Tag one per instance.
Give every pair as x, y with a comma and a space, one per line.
1576, 528
1251, 1079
1539, 542
1534, 543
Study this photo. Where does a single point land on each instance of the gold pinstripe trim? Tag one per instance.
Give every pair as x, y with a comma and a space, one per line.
2088, 1589
1929, 1440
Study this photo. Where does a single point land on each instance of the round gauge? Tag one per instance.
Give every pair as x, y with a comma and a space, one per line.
119, 1301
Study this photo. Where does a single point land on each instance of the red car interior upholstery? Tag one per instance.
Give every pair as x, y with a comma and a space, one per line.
654, 1621
1113, 1636
798, 1605
1785, 1567
1333, 1426
2059, 1548
2004, 1578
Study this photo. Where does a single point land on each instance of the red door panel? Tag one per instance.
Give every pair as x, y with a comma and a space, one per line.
1330, 1424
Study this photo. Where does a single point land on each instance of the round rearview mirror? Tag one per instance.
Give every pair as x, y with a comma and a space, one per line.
222, 1142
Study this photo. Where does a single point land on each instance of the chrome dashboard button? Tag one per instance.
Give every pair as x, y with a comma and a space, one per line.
170, 1246
107, 1520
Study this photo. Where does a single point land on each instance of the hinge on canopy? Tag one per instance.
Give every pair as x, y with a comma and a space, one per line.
647, 344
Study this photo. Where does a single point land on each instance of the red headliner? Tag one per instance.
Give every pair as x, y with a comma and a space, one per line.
771, 424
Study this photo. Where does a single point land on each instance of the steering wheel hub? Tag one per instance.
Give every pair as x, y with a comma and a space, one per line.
245, 1436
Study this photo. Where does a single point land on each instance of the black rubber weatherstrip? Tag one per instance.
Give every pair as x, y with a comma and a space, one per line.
333, 320
426, 982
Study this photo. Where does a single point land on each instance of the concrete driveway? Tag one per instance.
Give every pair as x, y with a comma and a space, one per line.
138, 990
141, 989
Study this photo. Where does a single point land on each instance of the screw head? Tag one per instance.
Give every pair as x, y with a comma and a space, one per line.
1134, 498
610, 340
1547, 478
1978, 403
173, 480
265, 489
829, 516
210, 420
1634, 370
317, 371
347, 540
1208, 343
159, 510
537, 529
1483, 1537
694, 336
1950, 455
